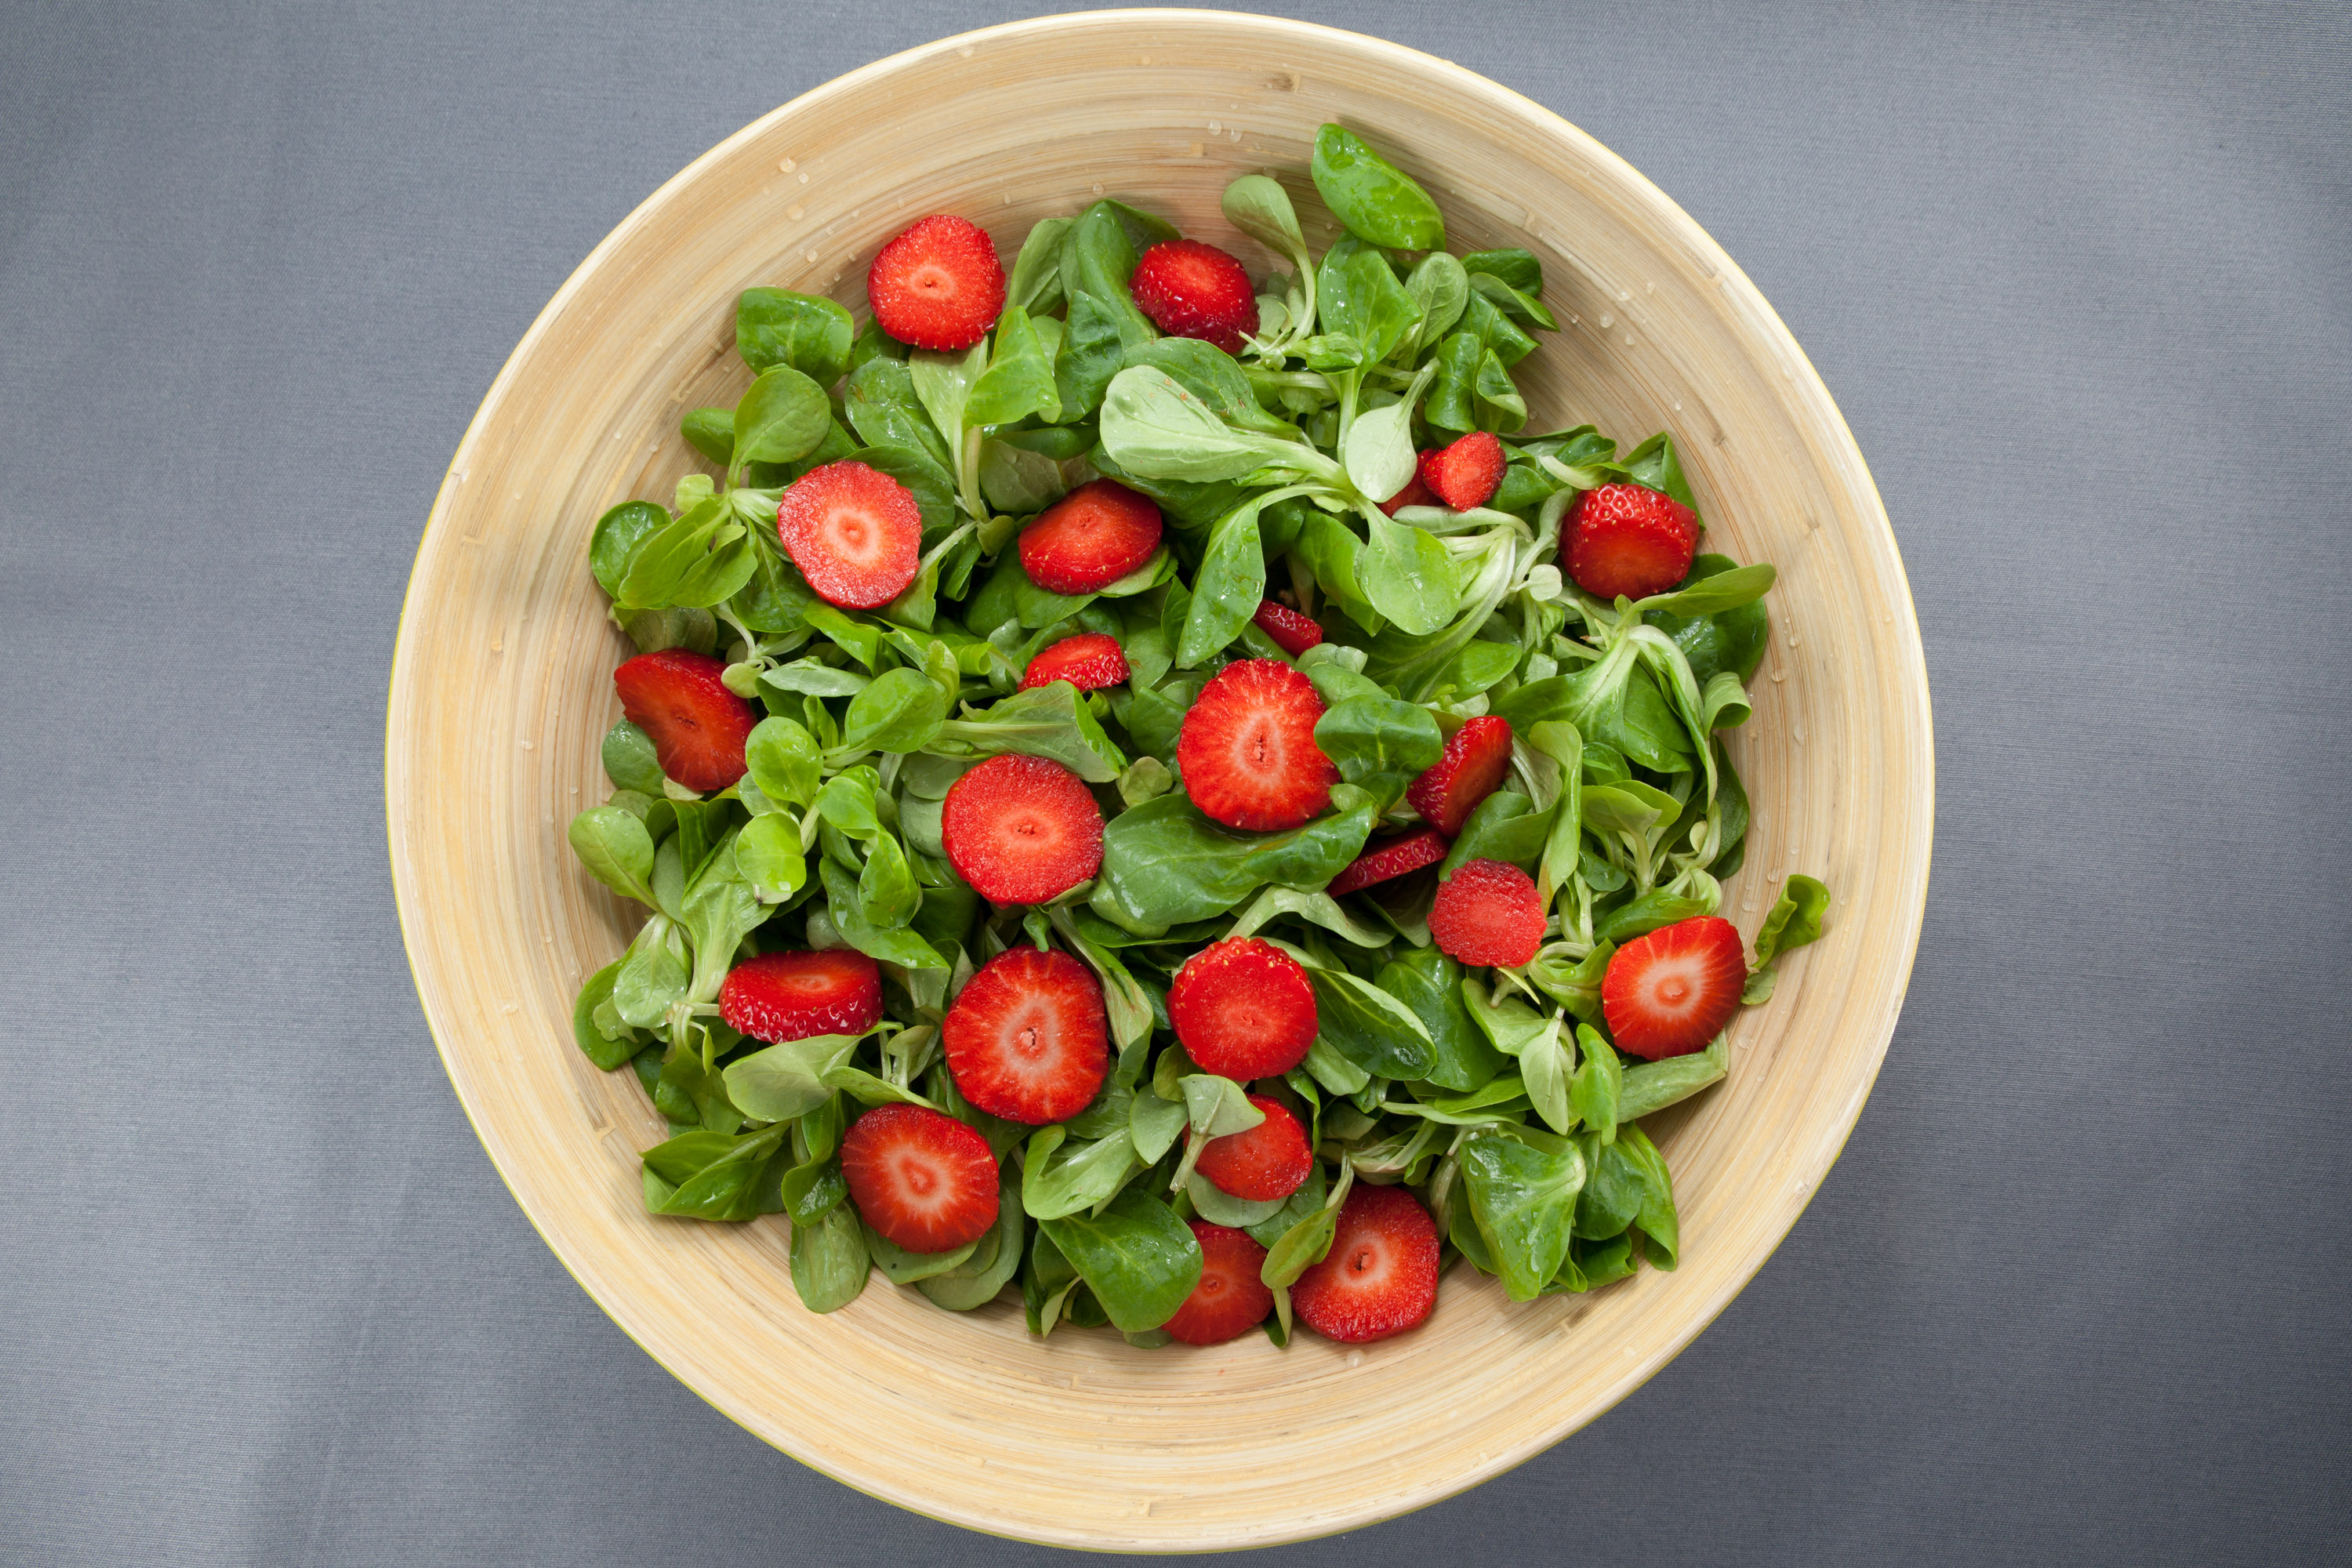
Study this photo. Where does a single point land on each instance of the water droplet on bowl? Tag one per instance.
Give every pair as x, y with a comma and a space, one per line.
1606, 321
793, 210
785, 165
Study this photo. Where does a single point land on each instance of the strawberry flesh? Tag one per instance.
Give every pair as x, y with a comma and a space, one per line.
1262, 1162
798, 995
1194, 290
1232, 1298
1247, 748
1090, 538
1628, 540
1089, 661
1244, 1008
1027, 1038
1379, 1276
939, 284
1022, 829
1488, 912
1468, 473
1293, 633
1469, 769
696, 725
1391, 859
1670, 992
854, 532
920, 1178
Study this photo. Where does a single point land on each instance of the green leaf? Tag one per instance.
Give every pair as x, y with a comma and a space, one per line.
1087, 1175
617, 850
1164, 863
1794, 921
1361, 304
719, 909
1377, 450
980, 1277
1303, 1245
1155, 427
829, 1260
810, 333
1049, 720
1408, 575
901, 712
781, 417
1504, 827
1524, 1199
1713, 595
1019, 380
1425, 980
630, 761
1519, 1030
890, 944
729, 1187
1035, 284
618, 533
1650, 1086
653, 974
1520, 269
1440, 288
1229, 588
1594, 1093
880, 402
1261, 208
784, 761
1377, 202
608, 1051
901, 1267
1139, 1258
785, 1081
1378, 1032
1661, 1229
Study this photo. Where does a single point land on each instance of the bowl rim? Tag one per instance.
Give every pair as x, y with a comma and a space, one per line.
1805, 385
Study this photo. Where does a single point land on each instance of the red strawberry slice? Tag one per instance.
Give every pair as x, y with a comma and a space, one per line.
1293, 633
1488, 912
1194, 290
1468, 473
1090, 661
1379, 1276
1265, 1162
1625, 538
1090, 538
796, 996
1466, 772
1244, 1008
1669, 993
697, 726
854, 532
1415, 493
939, 285
1390, 857
1027, 1038
1021, 830
922, 1179
1247, 748
1231, 1298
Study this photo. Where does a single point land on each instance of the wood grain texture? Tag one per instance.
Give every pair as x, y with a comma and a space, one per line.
500, 692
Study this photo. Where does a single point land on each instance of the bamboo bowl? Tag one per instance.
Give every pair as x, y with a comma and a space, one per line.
500, 692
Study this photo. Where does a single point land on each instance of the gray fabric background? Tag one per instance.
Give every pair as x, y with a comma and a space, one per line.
2078, 276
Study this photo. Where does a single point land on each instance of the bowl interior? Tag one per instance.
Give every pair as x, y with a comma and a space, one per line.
501, 690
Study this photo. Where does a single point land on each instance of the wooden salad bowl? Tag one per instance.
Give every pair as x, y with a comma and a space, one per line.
501, 689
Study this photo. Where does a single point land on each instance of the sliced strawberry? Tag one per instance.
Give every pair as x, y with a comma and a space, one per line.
1379, 1276
1293, 633
1244, 1008
1232, 1298
1390, 857
1468, 473
1194, 290
1415, 493
1265, 1162
1625, 538
1488, 912
1089, 661
1090, 538
697, 726
1027, 1038
1022, 829
854, 532
1466, 772
923, 1180
1669, 993
939, 285
794, 995
1247, 748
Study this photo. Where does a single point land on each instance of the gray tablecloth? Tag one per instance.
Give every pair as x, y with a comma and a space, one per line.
2077, 275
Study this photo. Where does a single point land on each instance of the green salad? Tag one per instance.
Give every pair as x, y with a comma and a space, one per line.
1172, 797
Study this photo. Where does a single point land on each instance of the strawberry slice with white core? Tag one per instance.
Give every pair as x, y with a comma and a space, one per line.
854, 532
1668, 992
1021, 830
922, 1180
1028, 1038
1379, 1276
